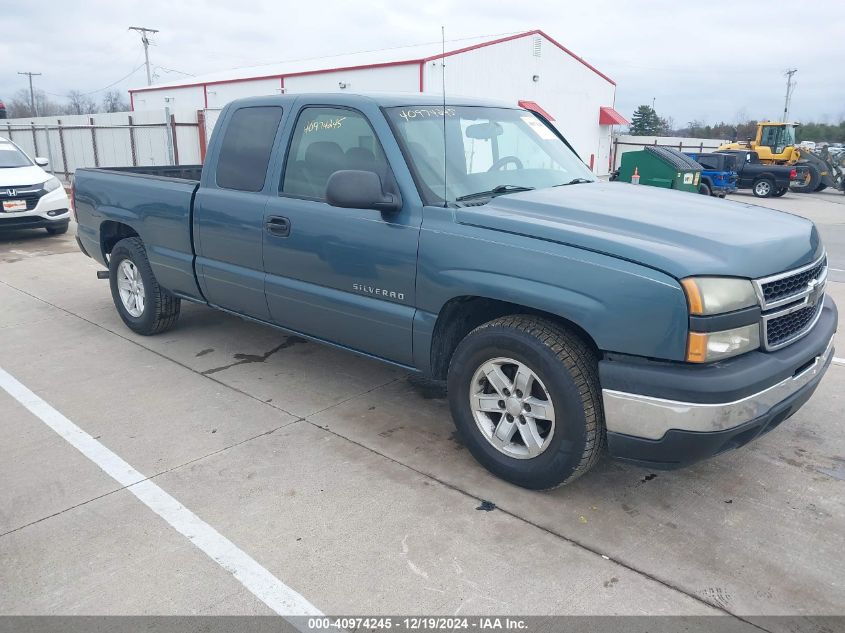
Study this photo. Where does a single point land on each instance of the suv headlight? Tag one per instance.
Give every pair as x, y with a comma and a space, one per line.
708, 296
52, 184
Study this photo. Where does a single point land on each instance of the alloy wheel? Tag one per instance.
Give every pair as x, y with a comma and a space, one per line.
512, 408
130, 286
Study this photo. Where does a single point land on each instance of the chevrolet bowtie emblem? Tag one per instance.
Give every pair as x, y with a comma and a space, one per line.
815, 291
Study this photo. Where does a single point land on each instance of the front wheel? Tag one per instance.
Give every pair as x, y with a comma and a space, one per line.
144, 306
763, 188
524, 394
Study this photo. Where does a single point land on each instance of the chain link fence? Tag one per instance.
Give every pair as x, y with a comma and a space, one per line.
119, 139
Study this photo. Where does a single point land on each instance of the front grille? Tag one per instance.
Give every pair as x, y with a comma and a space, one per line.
792, 284
31, 193
782, 329
791, 303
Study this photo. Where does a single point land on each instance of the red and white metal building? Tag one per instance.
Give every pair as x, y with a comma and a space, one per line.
528, 68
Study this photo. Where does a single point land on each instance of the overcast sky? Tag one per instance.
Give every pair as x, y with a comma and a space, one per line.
698, 60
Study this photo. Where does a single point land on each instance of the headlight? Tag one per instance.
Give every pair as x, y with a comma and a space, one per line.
717, 295
706, 347
52, 184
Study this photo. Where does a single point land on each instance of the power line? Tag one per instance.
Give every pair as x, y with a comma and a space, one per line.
173, 70
114, 83
31, 91
145, 40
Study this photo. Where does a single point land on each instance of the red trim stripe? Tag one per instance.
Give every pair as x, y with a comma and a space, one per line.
517, 36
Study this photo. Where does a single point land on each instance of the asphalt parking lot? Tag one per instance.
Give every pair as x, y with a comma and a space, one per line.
343, 479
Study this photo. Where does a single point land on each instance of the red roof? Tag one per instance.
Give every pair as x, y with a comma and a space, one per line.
609, 116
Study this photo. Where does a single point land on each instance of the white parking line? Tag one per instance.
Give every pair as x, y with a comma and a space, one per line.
260, 582
839, 361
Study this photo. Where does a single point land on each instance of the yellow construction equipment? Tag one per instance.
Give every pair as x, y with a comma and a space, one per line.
775, 144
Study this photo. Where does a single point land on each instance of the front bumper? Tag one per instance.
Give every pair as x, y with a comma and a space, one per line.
52, 210
671, 415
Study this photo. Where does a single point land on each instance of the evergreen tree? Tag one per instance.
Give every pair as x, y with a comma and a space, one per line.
645, 122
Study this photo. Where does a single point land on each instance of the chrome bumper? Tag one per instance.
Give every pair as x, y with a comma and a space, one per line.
649, 418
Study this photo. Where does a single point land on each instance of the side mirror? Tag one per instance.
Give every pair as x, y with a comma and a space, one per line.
41, 161
354, 189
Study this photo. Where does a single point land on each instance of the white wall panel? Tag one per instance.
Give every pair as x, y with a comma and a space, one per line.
405, 78
221, 94
570, 91
191, 97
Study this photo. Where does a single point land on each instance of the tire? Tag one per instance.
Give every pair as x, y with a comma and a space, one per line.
763, 187
810, 181
704, 189
780, 192
570, 432
821, 187
150, 309
57, 230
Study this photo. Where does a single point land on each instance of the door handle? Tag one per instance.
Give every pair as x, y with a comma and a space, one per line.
277, 225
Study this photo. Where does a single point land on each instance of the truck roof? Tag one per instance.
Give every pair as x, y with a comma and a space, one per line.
386, 99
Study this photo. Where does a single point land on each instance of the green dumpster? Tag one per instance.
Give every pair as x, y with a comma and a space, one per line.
661, 167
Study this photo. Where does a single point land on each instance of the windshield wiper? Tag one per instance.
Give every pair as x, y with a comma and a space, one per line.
498, 190
574, 181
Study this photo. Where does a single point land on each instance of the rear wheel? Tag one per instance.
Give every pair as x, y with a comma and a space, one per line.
763, 187
525, 397
704, 189
144, 306
821, 187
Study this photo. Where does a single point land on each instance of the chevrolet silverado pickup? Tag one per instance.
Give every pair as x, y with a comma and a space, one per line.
469, 243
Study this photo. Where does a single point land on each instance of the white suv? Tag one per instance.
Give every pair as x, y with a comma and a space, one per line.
30, 198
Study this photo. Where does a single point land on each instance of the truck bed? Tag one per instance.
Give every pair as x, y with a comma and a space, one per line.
153, 202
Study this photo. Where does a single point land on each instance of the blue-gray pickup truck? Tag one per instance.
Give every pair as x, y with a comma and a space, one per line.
470, 244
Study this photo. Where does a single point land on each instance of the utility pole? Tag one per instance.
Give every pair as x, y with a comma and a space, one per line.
790, 86
32, 92
145, 40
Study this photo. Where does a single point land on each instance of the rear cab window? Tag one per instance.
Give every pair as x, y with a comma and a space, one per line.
246, 147
326, 140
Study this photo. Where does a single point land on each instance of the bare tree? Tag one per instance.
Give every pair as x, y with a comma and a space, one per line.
113, 101
79, 103
19, 106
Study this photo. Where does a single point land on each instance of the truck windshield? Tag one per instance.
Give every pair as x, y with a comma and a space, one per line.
11, 156
489, 152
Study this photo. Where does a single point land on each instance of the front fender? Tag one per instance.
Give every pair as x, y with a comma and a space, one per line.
623, 306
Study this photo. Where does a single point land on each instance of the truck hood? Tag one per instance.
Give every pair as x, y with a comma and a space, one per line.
17, 176
677, 232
